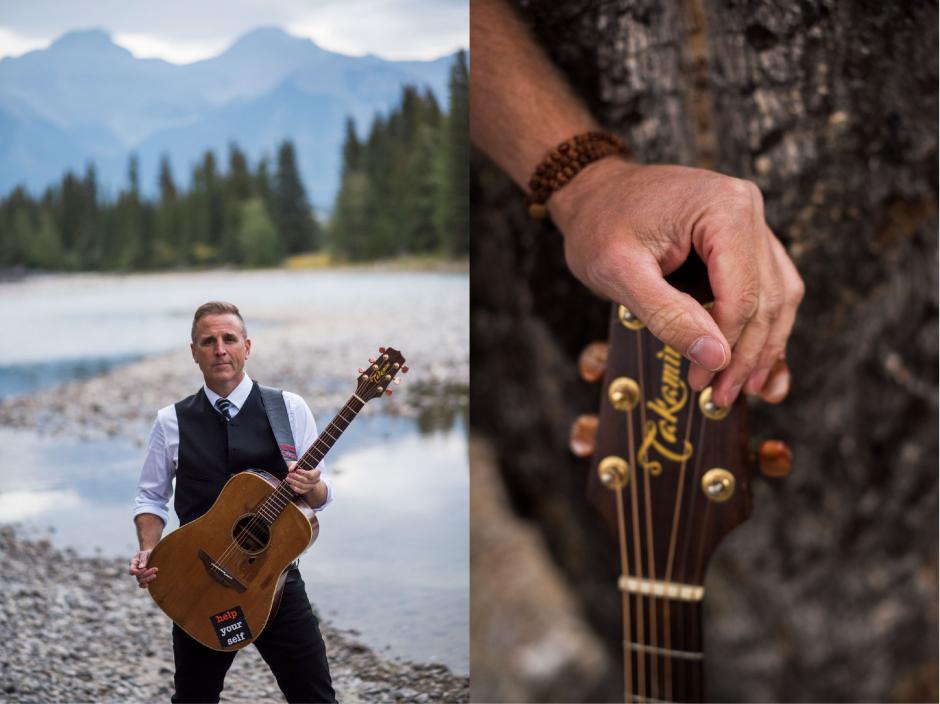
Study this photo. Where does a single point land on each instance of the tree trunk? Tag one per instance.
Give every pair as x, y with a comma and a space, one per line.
828, 592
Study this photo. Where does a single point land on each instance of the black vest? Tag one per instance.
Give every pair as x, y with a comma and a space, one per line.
211, 450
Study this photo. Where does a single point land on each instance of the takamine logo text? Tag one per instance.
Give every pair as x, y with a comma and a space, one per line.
661, 432
380, 372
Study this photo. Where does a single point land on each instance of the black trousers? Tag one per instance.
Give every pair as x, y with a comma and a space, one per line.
290, 644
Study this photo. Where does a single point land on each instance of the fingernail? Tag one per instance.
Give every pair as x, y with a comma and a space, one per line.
778, 387
756, 381
707, 352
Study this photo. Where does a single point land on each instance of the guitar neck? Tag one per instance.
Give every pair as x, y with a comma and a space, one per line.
331, 433
671, 478
281, 496
663, 658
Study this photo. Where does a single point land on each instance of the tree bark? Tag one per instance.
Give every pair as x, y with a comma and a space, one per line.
829, 591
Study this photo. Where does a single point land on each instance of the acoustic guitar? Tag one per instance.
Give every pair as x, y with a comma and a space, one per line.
671, 477
220, 577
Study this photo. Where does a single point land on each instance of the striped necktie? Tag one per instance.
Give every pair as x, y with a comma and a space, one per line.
222, 406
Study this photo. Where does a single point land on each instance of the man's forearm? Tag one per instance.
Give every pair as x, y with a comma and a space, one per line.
521, 106
149, 530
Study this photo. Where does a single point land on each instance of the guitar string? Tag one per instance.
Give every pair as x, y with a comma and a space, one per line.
692, 682
651, 551
667, 626
625, 597
261, 512
260, 516
699, 574
637, 559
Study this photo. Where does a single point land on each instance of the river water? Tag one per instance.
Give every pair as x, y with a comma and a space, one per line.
392, 559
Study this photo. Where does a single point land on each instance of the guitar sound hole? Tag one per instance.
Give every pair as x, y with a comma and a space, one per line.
251, 534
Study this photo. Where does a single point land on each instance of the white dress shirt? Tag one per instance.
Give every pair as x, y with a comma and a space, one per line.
155, 486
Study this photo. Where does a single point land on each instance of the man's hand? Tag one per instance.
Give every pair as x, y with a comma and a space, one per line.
307, 483
138, 567
627, 226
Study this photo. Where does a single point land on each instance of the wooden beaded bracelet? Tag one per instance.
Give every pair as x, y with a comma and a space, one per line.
564, 162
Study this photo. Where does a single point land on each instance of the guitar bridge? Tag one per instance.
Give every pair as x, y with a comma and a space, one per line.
219, 574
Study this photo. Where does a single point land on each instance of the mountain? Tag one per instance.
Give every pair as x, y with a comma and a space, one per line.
85, 98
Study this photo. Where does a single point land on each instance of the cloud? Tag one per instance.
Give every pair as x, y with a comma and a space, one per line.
13, 44
182, 31
404, 29
146, 46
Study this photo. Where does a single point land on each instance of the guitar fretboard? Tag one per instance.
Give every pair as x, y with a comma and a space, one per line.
277, 502
664, 669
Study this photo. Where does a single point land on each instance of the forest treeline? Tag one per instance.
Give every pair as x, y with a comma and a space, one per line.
403, 191
404, 187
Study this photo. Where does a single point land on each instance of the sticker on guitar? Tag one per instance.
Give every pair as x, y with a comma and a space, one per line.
230, 626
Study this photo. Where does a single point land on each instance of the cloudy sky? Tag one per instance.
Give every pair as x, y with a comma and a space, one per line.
183, 31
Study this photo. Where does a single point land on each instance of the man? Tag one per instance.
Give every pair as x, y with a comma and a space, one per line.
627, 225
202, 440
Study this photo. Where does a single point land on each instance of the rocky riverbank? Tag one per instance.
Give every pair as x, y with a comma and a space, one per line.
313, 350
78, 629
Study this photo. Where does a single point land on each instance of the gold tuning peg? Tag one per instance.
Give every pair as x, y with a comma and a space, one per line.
404, 370
381, 350
583, 435
593, 361
774, 458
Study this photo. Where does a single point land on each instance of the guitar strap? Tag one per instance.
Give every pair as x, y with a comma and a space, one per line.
276, 410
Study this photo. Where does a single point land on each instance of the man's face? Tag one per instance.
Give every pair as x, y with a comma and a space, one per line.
220, 350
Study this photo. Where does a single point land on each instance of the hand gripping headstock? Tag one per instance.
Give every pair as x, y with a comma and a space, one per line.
678, 463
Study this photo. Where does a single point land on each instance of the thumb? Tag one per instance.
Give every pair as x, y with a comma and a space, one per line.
675, 318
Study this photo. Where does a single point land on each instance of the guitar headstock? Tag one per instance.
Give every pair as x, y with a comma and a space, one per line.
678, 464
381, 373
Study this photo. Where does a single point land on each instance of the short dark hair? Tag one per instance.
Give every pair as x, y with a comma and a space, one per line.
217, 308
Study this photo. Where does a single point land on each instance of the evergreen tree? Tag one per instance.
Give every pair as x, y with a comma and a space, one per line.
45, 247
165, 182
298, 229
86, 253
237, 190
239, 177
419, 227
398, 186
204, 212
350, 227
128, 247
69, 213
384, 155
453, 215
349, 233
263, 186
169, 244
352, 148
258, 240
16, 227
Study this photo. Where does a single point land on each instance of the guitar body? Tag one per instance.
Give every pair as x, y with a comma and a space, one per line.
220, 576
